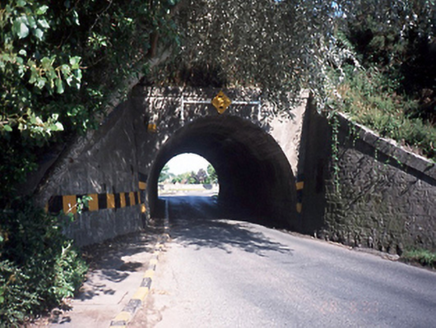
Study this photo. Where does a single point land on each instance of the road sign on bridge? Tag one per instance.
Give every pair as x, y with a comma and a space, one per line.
221, 102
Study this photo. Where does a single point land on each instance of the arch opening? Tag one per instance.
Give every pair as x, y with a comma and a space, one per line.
188, 174
253, 171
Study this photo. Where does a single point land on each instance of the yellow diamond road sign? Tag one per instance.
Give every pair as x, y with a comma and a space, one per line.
221, 102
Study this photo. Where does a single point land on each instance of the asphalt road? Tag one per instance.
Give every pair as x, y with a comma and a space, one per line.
218, 272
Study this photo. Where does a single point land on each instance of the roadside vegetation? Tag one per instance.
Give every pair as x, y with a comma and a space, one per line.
63, 64
390, 85
420, 256
39, 266
368, 99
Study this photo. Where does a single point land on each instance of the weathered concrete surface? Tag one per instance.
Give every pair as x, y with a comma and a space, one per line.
287, 131
107, 164
381, 197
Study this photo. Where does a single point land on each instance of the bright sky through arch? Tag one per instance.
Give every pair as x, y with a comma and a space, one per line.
187, 162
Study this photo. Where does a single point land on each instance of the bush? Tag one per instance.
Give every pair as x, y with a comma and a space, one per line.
421, 256
38, 265
370, 99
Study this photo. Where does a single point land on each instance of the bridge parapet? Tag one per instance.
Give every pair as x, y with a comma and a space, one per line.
160, 104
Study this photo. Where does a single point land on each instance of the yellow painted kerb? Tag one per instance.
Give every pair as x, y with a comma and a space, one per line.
123, 316
149, 274
140, 293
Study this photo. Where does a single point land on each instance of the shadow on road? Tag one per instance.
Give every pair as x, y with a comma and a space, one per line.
114, 261
203, 222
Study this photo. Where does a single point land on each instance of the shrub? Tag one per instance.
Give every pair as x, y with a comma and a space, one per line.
421, 256
370, 99
38, 265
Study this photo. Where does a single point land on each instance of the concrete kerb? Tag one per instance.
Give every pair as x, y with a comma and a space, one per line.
137, 300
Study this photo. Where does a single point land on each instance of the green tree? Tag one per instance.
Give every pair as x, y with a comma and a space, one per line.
201, 176
61, 63
397, 38
278, 46
165, 174
213, 177
192, 178
177, 179
39, 266
64, 64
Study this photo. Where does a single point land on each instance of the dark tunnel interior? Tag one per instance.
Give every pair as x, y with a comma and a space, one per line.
253, 171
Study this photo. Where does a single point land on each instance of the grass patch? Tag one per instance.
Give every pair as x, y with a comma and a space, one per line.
370, 99
420, 256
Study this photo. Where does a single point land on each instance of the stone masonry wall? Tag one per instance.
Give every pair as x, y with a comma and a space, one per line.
382, 197
107, 169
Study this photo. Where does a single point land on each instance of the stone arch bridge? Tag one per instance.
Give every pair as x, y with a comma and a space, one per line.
119, 164
381, 195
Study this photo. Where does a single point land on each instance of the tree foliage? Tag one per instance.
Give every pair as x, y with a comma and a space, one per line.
38, 265
165, 174
398, 38
61, 63
394, 91
278, 46
202, 176
212, 175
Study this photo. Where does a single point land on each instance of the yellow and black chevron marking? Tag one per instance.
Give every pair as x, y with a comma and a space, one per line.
67, 203
142, 181
300, 186
142, 187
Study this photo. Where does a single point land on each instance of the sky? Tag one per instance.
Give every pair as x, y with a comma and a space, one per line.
186, 163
